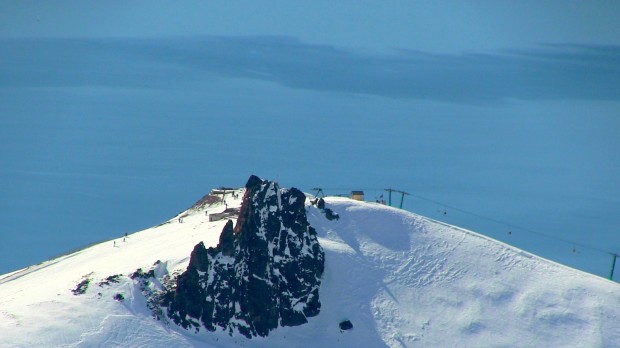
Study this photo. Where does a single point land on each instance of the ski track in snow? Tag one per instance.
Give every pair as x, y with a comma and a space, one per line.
402, 280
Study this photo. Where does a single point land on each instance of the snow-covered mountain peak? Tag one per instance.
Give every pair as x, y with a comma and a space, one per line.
398, 279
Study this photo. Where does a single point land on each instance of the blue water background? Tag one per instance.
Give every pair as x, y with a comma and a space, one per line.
95, 145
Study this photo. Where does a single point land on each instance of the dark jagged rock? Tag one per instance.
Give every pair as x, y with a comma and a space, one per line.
227, 239
254, 183
345, 325
81, 288
264, 273
329, 214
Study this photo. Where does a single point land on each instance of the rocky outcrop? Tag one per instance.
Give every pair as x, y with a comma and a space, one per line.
345, 325
329, 214
264, 273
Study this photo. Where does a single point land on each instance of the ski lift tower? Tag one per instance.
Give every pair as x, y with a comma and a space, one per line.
402, 197
319, 191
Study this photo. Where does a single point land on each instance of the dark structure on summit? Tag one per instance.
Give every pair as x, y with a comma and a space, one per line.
264, 273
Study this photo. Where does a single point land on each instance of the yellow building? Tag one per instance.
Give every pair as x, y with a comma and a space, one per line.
357, 195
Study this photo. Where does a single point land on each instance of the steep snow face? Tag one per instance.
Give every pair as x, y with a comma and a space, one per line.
400, 280
264, 273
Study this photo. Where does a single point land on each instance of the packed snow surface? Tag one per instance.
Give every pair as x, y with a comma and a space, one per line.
401, 279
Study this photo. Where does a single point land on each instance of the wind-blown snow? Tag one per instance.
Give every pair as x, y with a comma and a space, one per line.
401, 279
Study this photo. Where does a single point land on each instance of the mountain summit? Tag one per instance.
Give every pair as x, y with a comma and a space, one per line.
386, 278
265, 272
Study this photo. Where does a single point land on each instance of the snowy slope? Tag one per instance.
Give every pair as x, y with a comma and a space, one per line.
401, 279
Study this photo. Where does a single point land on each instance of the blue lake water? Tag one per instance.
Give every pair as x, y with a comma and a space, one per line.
92, 150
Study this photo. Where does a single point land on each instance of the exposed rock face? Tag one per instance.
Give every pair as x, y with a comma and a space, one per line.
265, 272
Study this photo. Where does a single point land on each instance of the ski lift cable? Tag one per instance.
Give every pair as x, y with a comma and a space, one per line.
509, 225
